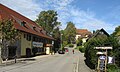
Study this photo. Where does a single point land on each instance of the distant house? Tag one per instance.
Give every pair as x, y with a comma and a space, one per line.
84, 34
100, 32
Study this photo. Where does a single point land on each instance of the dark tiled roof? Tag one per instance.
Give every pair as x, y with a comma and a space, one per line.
7, 13
101, 30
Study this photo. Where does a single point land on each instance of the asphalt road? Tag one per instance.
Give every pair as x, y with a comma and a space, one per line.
52, 63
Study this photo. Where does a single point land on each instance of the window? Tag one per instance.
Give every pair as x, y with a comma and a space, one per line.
23, 23
36, 39
40, 40
28, 37
101, 32
24, 35
33, 38
86, 35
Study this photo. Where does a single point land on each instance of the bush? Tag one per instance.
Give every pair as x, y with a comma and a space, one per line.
112, 68
77, 48
71, 45
64, 43
81, 49
90, 52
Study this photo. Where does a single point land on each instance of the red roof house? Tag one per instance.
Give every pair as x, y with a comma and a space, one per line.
84, 34
29, 25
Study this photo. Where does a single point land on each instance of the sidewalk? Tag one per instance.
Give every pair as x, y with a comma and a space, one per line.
82, 67
19, 60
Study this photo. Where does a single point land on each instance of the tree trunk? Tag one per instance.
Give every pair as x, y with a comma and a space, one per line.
0, 51
0, 55
4, 50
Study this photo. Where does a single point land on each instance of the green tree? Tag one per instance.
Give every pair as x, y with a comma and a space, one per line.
116, 32
8, 34
90, 52
70, 32
63, 39
116, 51
48, 21
79, 42
56, 33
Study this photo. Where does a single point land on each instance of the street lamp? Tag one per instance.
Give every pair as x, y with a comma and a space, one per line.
61, 41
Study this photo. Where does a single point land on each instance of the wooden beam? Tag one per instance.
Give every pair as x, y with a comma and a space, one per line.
103, 47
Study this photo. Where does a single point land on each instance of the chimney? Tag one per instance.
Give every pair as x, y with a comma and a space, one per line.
93, 31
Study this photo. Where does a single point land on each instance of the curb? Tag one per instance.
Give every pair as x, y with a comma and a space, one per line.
10, 62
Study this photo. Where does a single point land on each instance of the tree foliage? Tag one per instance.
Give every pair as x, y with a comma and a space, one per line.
8, 31
48, 21
8, 35
79, 42
116, 32
116, 51
56, 33
90, 52
70, 32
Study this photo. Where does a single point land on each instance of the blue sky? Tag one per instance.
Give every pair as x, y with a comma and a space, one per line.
85, 14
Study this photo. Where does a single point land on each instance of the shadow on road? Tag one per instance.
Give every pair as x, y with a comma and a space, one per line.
31, 59
90, 65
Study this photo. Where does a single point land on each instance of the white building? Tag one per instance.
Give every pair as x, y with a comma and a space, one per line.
84, 34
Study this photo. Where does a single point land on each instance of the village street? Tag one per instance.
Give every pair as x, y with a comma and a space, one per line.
50, 63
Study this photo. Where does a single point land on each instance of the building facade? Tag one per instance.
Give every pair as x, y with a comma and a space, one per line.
33, 39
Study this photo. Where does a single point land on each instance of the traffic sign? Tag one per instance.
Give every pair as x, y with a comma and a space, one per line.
102, 57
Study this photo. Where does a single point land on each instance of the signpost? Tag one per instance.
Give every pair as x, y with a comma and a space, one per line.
102, 60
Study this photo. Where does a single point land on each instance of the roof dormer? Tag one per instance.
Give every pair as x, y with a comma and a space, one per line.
23, 23
34, 27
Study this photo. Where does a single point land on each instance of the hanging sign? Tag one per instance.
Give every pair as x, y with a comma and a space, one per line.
37, 44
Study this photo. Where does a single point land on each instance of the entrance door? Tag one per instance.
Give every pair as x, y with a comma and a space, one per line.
28, 52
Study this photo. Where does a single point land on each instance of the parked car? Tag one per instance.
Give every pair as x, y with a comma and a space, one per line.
66, 49
61, 52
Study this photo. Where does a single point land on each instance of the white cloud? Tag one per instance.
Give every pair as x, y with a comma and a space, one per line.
66, 12
27, 8
81, 18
